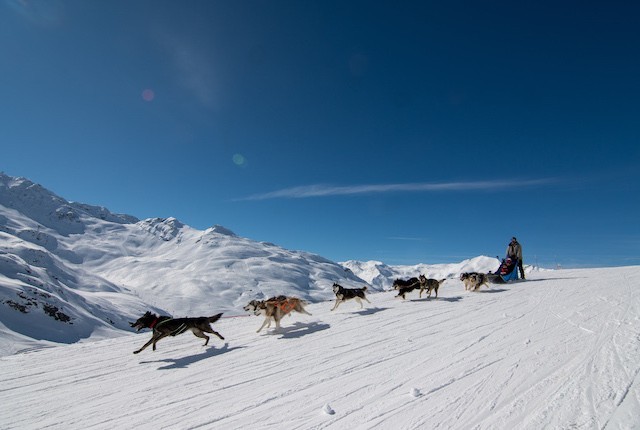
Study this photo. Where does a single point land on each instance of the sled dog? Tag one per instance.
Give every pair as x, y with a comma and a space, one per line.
275, 309
164, 326
429, 285
407, 286
345, 294
474, 280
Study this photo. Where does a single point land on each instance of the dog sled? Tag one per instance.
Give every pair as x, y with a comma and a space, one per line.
507, 272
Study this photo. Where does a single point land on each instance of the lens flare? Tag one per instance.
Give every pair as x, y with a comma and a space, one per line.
239, 160
148, 95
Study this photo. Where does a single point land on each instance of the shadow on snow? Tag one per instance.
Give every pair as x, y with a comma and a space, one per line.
439, 299
370, 311
299, 329
182, 362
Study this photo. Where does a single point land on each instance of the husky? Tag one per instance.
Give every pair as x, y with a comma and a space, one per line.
474, 280
429, 285
345, 294
407, 286
164, 326
275, 308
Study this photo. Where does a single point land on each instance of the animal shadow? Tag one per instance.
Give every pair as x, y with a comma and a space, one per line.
450, 299
527, 281
439, 299
183, 362
370, 311
299, 329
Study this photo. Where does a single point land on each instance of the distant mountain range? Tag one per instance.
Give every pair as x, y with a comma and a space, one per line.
69, 271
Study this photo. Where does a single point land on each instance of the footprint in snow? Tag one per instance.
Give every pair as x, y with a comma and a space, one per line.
415, 392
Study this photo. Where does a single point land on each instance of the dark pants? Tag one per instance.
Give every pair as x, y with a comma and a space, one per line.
521, 269
519, 265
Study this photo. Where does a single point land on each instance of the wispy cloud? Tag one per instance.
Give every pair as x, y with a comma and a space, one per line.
320, 190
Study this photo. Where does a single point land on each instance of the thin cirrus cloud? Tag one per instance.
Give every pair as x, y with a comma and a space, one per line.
319, 190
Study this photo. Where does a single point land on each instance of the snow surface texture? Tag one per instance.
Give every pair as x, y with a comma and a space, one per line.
559, 351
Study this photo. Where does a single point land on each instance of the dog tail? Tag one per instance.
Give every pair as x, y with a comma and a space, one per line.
214, 318
364, 288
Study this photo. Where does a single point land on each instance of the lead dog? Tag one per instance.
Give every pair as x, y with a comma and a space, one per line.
345, 294
429, 285
474, 280
275, 309
164, 326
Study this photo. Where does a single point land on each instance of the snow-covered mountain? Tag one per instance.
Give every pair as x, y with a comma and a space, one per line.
71, 270
381, 276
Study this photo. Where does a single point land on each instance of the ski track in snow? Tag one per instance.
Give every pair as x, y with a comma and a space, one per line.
561, 353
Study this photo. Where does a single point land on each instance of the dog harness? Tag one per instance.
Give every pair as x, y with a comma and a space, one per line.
181, 328
285, 305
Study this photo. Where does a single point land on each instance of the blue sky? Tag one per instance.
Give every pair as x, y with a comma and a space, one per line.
405, 132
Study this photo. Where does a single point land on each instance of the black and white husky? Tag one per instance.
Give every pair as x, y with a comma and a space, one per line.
474, 280
345, 294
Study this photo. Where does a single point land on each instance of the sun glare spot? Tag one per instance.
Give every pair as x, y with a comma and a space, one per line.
148, 95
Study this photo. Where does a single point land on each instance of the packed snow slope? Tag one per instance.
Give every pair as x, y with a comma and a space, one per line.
558, 351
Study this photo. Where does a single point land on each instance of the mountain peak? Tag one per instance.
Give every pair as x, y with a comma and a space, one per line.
220, 230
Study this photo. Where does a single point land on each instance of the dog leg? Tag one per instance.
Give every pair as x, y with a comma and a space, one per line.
266, 320
144, 346
200, 334
162, 336
212, 331
303, 311
336, 305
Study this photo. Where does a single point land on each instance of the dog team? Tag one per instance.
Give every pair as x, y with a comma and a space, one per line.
278, 307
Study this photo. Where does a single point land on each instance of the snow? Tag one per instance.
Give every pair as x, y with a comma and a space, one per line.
560, 350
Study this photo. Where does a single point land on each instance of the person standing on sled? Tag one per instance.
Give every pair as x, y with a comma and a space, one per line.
514, 250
